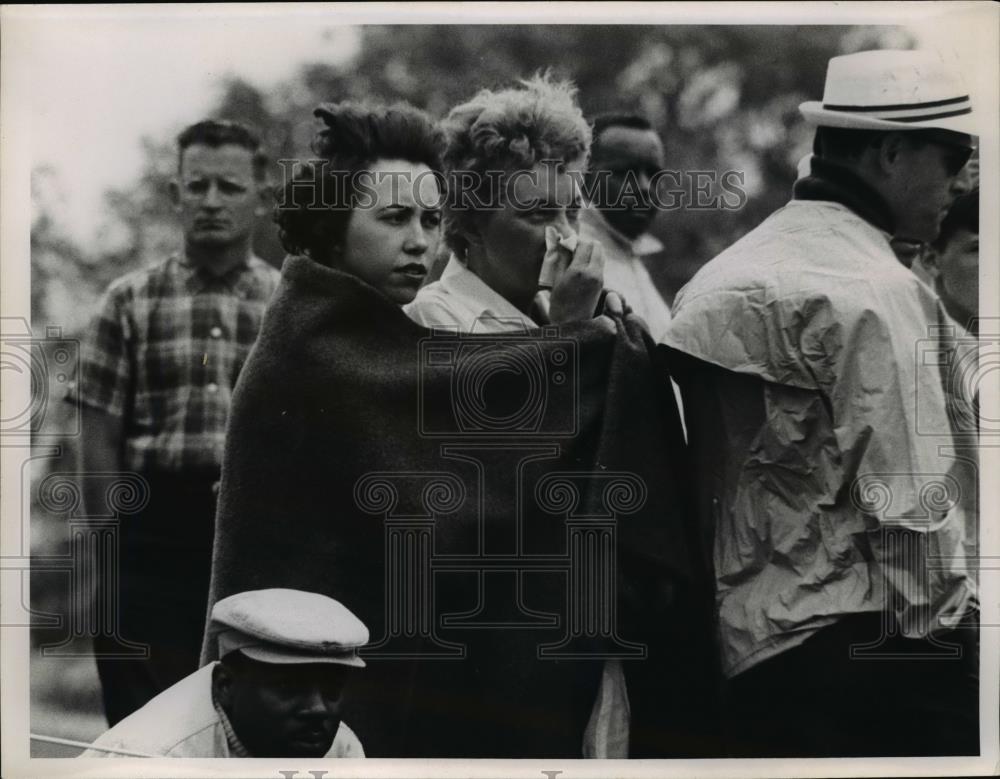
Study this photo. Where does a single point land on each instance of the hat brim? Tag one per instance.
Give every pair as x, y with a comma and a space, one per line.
281, 657
814, 113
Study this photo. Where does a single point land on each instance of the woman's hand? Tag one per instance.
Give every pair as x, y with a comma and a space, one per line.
577, 286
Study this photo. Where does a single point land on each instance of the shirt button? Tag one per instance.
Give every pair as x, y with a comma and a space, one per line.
212, 387
215, 332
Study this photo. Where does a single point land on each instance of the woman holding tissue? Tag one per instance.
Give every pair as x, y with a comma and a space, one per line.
348, 405
518, 263
519, 154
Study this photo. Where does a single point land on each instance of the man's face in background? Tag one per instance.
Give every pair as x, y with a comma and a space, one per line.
217, 195
632, 156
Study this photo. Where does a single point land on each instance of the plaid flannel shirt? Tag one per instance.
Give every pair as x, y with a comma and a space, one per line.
164, 353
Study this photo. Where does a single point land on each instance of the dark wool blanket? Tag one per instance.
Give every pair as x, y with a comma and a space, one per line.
501, 512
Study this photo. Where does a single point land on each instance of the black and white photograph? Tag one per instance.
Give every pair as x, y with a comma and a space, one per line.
500, 390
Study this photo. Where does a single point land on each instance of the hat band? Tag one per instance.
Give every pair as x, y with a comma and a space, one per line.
911, 112
925, 117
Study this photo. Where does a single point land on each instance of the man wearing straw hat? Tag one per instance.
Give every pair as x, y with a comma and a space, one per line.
846, 610
284, 658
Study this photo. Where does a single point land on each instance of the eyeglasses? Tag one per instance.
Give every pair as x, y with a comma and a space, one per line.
958, 147
955, 157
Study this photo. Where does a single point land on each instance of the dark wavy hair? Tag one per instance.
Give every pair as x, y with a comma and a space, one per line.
355, 136
509, 130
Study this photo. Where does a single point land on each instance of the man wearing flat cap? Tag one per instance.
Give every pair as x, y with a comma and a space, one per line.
284, 657
846, 609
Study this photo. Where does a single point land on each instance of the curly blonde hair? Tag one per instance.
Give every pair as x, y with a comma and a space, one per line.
508, 130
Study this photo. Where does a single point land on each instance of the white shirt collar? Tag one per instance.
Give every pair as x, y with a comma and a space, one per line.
481, 299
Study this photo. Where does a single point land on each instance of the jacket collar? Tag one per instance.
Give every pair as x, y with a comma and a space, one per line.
236, 748
835, 183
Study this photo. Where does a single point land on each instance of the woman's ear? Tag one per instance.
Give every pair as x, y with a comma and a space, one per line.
327, 243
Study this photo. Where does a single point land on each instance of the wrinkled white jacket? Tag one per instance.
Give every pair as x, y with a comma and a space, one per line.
854, 437
182, 722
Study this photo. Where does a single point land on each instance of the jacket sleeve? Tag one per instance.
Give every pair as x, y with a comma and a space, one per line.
886, 398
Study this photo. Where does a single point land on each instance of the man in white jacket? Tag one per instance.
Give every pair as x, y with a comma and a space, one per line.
819, 431
285, 656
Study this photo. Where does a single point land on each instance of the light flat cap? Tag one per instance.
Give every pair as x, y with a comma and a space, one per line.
288, 626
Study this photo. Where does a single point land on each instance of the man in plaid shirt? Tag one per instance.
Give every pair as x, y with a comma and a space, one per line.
155, 381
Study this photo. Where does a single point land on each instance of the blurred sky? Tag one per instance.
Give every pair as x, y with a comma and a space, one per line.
103, 77
101, 84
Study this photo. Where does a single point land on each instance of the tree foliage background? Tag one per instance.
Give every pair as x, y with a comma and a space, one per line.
722, 97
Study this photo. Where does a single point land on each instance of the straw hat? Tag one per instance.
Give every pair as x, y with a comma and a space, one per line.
892, 90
